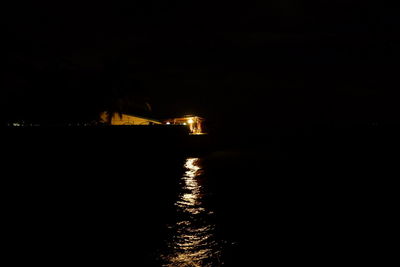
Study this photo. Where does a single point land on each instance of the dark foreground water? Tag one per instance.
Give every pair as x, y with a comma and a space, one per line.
232, 207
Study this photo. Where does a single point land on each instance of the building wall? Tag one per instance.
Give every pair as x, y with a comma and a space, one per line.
128, 120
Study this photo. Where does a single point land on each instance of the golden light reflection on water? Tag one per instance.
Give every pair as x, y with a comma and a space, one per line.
192, 242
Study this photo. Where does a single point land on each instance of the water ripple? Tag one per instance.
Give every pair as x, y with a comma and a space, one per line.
192, 241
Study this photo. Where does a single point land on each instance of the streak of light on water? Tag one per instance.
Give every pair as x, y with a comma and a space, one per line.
192, 241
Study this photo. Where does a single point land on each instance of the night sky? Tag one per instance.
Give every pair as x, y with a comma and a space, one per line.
281, 62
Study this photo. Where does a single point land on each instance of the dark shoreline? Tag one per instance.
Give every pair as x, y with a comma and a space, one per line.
342, 142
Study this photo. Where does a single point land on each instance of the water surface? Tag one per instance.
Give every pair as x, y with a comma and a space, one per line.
192, 240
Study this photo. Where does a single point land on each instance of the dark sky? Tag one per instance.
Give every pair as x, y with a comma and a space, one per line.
285, 62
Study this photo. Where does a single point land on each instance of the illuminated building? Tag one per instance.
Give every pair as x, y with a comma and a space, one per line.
194, 123
126, 119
